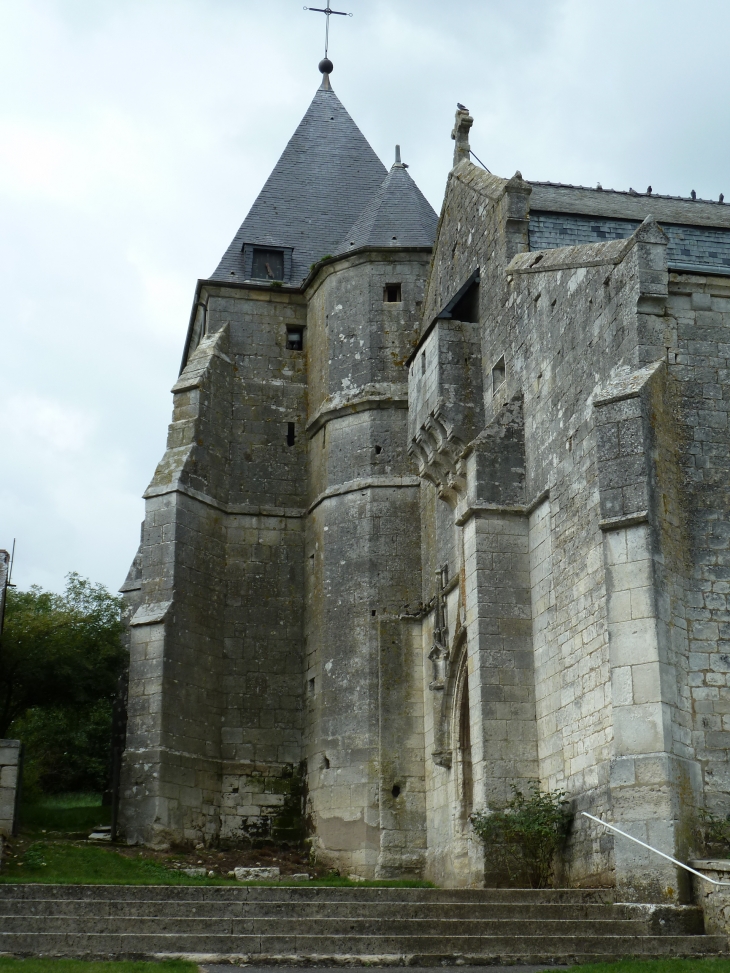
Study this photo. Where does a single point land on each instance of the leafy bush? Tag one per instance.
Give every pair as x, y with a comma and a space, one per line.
524, 837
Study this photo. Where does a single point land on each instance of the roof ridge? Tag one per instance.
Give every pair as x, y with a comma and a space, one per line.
624, 192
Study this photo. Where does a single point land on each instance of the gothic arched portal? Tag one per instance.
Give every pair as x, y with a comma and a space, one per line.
462, 735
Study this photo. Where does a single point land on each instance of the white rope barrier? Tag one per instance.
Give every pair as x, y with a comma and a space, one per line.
655, 850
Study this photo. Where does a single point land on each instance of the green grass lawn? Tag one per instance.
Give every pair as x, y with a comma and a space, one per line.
50, 850
9, 965
63, 820
69, 863
655, 966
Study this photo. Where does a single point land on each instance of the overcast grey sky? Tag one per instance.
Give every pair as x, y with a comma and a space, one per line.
135, 134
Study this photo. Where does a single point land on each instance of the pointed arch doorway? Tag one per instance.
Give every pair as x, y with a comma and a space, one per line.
462, 734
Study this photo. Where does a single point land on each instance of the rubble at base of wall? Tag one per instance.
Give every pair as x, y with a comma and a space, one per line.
713, 899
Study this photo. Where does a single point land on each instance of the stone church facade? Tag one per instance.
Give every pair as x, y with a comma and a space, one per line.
445, 509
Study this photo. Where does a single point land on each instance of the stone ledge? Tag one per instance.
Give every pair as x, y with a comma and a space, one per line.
228, 508
380, 395
152, 613
366, 483
627, 520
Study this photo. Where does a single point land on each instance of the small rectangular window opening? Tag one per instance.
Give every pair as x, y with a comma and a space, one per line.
290, 434
423, 363
391, 294
267, 264
499, 373
295, 339
311, 686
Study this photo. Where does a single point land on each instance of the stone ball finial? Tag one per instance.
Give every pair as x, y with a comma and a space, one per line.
326, 66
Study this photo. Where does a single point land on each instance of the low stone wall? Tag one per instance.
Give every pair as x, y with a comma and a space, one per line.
10, 754
714, 899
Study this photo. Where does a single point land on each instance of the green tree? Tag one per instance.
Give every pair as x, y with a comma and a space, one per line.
60, 660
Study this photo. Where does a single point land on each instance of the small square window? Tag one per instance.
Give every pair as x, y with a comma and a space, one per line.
391, 294
499, 374
295, 339
267, 264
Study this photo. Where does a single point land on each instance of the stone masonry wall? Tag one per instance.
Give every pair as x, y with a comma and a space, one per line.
214, 736
557, 328
261, 742
699, 308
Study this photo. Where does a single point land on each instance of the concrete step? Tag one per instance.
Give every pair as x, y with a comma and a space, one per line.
234, 893
307, 947
358, 925
313, 910
325, 927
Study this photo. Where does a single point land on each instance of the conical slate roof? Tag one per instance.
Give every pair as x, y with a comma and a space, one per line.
325, 177
399, 215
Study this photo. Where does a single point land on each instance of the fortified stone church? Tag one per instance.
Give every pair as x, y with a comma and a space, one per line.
445, 508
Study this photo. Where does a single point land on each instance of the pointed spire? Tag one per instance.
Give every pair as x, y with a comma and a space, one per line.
325, 177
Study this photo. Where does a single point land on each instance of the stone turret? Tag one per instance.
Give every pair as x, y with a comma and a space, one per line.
363, 738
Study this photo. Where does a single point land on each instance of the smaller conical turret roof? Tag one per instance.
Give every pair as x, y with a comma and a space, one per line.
398, 215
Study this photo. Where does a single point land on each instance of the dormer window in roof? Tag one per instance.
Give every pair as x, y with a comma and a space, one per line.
267, 263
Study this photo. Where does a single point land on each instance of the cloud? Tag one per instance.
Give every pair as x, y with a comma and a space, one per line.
135, 134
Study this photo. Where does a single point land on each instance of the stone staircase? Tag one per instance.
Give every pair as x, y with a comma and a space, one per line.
338, 925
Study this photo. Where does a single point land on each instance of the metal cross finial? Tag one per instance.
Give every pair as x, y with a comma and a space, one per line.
328, 11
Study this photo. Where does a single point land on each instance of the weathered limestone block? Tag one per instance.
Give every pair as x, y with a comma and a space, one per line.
714, 899
271, 874
10, 767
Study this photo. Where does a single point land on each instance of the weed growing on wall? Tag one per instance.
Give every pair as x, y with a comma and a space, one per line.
523, 839
714, 834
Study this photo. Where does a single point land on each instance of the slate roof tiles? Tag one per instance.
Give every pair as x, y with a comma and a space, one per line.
399, 215
330, 193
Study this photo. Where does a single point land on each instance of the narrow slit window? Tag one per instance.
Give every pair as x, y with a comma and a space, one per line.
423, 363
499, 374
290, 434
295, 339
392, 294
